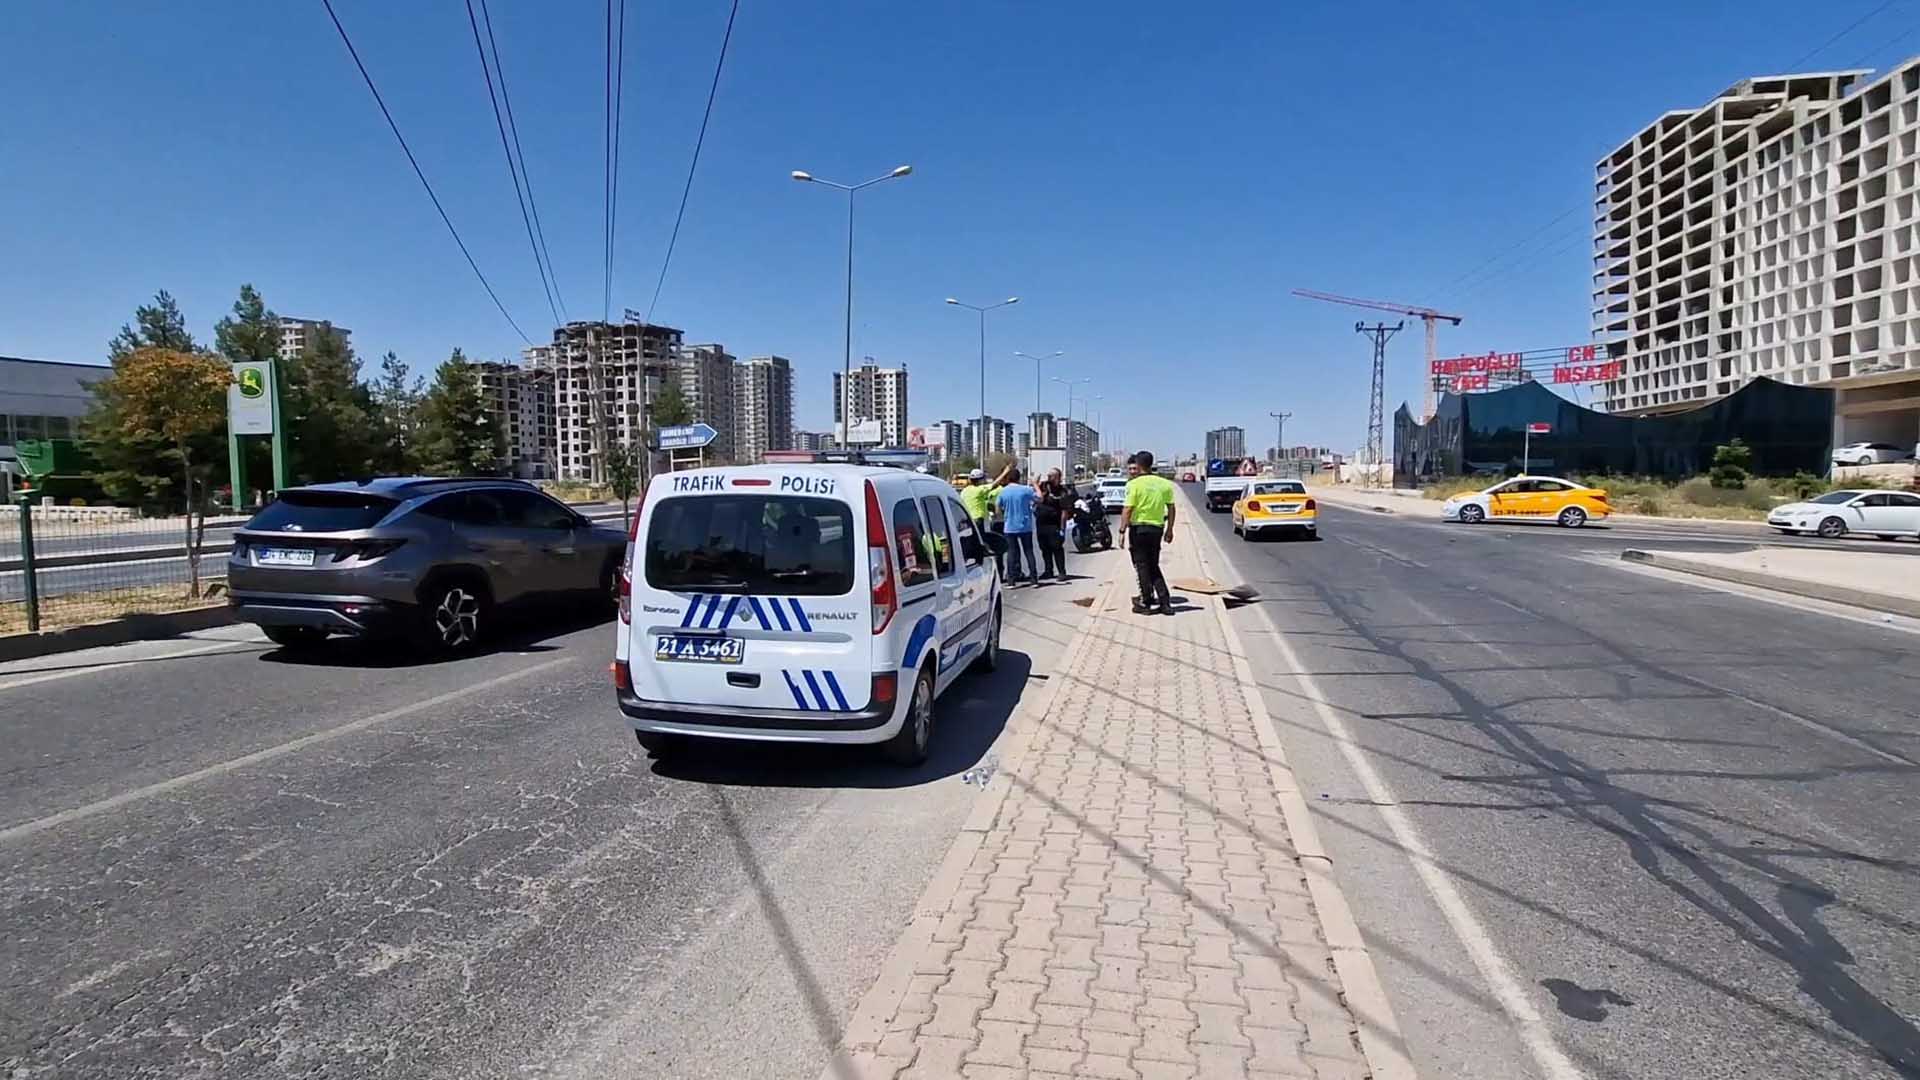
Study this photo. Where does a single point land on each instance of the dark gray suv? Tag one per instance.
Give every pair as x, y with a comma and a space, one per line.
420, 557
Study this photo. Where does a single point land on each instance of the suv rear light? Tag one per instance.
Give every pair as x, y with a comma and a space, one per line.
879, 564
365, 549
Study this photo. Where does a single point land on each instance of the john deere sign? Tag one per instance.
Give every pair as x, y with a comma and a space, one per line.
250, 399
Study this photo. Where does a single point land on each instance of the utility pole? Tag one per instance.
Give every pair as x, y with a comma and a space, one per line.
1379, 333
1279, 438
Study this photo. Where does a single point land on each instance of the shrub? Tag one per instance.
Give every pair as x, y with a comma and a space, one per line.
1806, 485
1727, 476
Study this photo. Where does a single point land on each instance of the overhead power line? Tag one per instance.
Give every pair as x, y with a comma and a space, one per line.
1504, 252
506, 99
712, 92
506, 147
610, 205
417, 171
1850, 28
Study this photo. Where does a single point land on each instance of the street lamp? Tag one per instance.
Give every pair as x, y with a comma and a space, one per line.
1037, 360
981, 449
1069, 384
846, 363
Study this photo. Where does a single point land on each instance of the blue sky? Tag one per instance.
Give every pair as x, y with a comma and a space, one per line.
1150, 178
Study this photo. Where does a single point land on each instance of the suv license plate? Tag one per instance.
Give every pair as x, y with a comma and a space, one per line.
282, 556
699, 649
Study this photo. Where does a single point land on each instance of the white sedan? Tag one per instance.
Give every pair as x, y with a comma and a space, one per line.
1886, 514
1869, 453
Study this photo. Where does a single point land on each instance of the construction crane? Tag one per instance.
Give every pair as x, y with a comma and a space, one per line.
1424, 314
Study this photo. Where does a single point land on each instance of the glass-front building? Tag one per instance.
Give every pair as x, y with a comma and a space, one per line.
1789, 429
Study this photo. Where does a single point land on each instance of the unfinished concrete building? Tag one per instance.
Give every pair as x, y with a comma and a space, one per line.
606, 377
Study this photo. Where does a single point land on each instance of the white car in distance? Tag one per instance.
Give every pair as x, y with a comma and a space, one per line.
1886, 514
1870, 453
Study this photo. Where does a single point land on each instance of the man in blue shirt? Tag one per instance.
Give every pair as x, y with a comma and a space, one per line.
1016, 507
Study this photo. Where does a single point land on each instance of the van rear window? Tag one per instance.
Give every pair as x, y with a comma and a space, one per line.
322, 511
777, 545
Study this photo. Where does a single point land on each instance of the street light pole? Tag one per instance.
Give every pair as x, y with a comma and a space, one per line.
846, 361
981, 449
1055, 355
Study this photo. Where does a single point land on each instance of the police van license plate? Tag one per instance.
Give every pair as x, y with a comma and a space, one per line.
699, 648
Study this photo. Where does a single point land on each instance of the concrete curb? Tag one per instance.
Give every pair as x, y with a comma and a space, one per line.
1378, 1031
118, 632
867, 1024
1813, 590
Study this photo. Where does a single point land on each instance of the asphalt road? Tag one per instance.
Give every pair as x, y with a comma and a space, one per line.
1596, 823
219, 860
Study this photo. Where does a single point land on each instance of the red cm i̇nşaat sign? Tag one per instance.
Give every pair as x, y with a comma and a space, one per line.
1580, 367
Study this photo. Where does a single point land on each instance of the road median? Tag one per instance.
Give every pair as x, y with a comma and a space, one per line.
1876, 582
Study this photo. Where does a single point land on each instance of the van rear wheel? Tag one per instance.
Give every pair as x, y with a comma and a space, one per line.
908, 746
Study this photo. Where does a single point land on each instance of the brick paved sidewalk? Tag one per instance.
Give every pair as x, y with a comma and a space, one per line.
1134, 908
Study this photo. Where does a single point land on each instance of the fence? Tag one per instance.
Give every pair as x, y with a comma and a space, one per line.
61, 568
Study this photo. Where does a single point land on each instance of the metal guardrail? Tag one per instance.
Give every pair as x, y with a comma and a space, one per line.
59, 571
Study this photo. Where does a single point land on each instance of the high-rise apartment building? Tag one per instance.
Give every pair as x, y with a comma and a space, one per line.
606, 377
762, 407
876, 393
1773, 231
1226, 442
810, 440
1079, 440
999, 438
520, 400
954, 438
295, 334
705, 376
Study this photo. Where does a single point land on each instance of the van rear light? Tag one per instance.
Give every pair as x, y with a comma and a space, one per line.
879, 564
622, 675
885, 685
625, 588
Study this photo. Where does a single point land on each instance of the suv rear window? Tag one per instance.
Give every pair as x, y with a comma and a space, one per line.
757, 544
322, 511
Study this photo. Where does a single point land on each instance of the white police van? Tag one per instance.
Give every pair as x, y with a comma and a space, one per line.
801, 603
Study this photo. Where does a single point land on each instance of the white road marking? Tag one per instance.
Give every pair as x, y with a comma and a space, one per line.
1535, 1033
95, 669
114, 802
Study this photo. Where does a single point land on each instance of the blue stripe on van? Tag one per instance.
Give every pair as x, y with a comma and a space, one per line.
774, 606
732, 602
693, 605
798, 698
839, 698
814, 685
758, 613
713, 606
917, 641
805, 626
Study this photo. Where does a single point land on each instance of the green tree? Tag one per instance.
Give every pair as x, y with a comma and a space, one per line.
329, 410
180, 399
251, 333
457, 436
396, 415
623, 477
1731, 463
670, 409
158, 326
962, 464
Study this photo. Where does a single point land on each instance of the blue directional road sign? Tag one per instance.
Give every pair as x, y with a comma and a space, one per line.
686, 436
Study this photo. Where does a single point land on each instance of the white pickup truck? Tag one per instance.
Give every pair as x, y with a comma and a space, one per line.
1224, 491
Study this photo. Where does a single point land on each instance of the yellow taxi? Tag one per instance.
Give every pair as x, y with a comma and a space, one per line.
1530, 498
1270, 506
